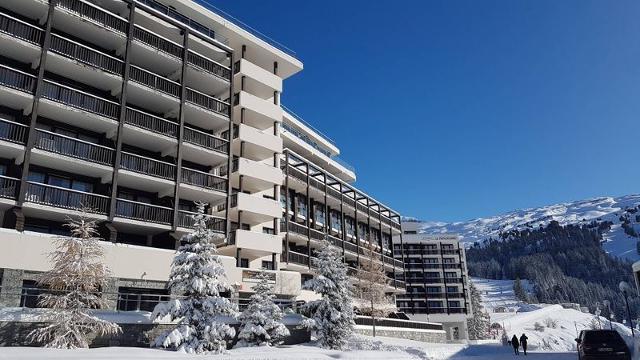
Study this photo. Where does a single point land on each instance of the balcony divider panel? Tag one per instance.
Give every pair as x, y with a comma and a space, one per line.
37, 91
122, 115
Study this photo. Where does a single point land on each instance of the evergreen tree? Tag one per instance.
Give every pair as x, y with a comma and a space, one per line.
331, 317
261, 323
519, 291
197, 277
479, 324
74, 288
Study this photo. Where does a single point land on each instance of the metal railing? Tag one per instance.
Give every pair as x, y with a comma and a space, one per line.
80, 99
66, 198
205, 140
13, 131
75, 148
85, 54
203, 179
298, 258
157, 42
217, 224
207, 102
209, 66
151, 123
144, 212
20, 29
348, 246
147, 166
9, 187
94, 13
154, 81
16, 79
366, 320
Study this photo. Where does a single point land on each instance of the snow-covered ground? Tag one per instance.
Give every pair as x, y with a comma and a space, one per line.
366, 348
616, 242
561, 326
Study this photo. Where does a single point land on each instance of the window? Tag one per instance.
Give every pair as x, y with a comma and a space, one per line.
30, 294
452, 289
433, 289
434, 304
410, 232
140, 299
450, 274
448, 260
267, 265
267, 230
454, 304
244, 263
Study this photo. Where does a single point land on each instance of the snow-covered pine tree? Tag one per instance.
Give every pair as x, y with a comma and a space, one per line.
370, 295
261, 322
74, 286
479, 324
518, 290
331, 317
197, 278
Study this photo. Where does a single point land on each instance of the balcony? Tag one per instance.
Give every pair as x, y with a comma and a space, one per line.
256, 176
84, 64
206, 75
13, 137
205, 111
259, 113
295, 258
67, 199
16, 90
214, 223
257, 243
258, 145
156, 52
194, 182
143, 213
91, 23
257, 80
140, 172
152, 91
72, 106
204, 148
63, 152
255, 209
149, 131
9, 189
20, 39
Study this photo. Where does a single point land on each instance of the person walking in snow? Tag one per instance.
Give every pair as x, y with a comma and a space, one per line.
523, 342
515, 344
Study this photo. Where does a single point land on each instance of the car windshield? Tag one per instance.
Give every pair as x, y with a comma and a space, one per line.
602, 336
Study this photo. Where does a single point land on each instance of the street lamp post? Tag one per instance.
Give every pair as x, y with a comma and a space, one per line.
625, 288
607, 303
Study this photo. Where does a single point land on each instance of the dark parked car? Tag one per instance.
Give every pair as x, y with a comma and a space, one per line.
602, 345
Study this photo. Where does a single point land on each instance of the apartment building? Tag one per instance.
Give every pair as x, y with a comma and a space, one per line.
437, 279
138, 108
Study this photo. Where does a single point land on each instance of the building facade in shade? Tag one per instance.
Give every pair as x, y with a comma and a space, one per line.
136, 109
436, 277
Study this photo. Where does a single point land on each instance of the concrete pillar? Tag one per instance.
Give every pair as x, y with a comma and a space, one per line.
110, 293
11, 287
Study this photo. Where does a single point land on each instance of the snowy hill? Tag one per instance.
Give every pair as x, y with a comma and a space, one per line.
617, 242
561, 325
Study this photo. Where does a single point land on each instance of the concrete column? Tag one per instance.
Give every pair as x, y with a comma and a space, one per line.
110, 291
11, 287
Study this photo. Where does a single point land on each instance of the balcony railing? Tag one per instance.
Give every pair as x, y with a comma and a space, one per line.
154, 81
95, 14
85, 54
66, 198
203, 179
298, 258
144, 212
20, 29
351, 247
207, 102
72, 147
214, 223
80, 99
209, 66
147, 166
9, 187
151, 123
13, 131
205, 140
157, 42
16, 79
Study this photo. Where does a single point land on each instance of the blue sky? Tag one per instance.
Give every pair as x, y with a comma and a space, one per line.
451, 110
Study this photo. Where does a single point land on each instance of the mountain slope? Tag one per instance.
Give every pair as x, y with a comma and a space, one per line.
621, 212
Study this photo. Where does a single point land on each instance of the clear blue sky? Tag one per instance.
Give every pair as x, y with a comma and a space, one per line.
451, 110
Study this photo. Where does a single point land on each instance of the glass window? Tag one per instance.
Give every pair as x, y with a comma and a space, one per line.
59, 181
36, 177
82, 186
244, 263
3, 169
